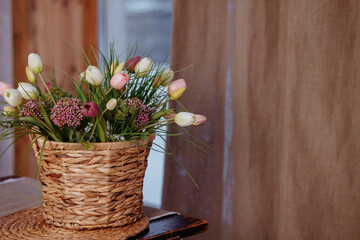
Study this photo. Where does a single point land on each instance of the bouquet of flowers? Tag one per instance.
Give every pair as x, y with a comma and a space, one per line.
111, 101
124, 104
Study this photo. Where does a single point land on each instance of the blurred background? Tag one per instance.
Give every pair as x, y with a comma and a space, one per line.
278, 80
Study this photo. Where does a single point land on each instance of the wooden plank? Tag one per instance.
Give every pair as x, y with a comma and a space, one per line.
45, 27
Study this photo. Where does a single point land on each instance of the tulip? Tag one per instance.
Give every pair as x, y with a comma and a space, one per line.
82, 75
28, 91
94, 76
119, 68
8, 111
131, 63
111, 104
184, 119
113, 66
3, 88
176, 88
166, 77
144, 67
90, 109
49, 85
119, 80
30, 75
199, 119
13, 97
35, 63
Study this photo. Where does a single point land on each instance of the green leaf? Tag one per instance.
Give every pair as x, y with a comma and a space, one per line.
100, 131
87, 145
95, 99
31, 120
45, 116
81, 93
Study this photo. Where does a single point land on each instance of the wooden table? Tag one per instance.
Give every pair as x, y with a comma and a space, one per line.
23, 193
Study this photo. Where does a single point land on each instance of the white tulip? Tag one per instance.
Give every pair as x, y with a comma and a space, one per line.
28, 91
184, 119
144, 67
30, 75
35, 63
94, 76
13, 97
111, 104
166, 77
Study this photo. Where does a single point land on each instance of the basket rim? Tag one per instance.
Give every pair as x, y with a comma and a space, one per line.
53, 145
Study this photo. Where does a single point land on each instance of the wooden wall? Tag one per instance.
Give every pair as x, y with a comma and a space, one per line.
46, 27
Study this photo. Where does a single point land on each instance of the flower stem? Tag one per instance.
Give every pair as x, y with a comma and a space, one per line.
162, 103
122, 94
47, 89
103, 92
154, 124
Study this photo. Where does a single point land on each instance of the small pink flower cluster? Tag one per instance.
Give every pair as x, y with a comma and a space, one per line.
31, 108
143, 111
67, 111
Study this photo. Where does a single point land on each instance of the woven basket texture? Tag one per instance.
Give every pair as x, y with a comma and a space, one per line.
30, 225
92, 189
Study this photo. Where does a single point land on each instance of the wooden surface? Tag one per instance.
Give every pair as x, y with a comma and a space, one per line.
24, 194
45, 27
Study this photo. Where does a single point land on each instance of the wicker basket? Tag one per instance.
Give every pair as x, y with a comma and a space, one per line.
92, 189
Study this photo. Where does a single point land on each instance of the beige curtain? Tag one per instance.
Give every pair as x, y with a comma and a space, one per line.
279, 81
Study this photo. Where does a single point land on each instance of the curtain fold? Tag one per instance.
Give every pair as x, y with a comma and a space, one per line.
279, 83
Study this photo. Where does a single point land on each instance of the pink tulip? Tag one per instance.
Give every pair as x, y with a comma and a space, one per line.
3, 88
131, 63
90, 109
176, 88
119, 80
199, 119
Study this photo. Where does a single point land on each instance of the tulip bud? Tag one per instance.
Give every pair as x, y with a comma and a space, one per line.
49, 85
199, 119
144, 67
94, 76
184, 119
35, 63
113, 66
119, 80
111, 104
166, 77
119, 68
8, 111
90, 109
3, 88
131, 63
30, 75
13, 97
170, 115
28, 91
82, 75
176, 88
